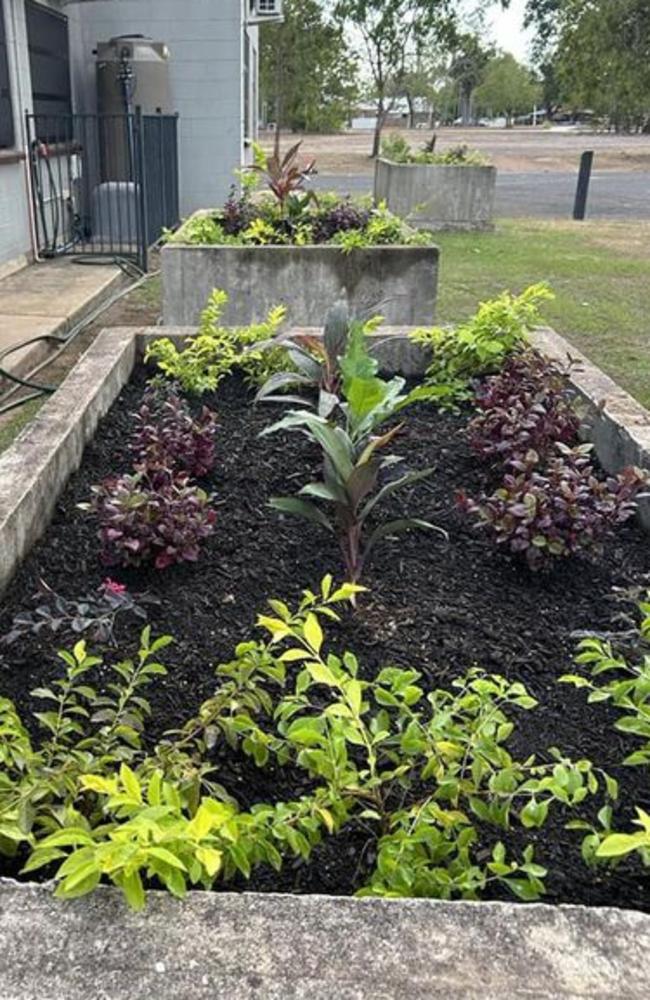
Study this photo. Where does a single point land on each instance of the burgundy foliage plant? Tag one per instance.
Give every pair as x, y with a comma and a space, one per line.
158, 518
555, 513
525, 411
339, 219
168, 437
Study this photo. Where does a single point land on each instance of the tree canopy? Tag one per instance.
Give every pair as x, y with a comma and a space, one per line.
508, 88
308, 76
392, 32
597, 52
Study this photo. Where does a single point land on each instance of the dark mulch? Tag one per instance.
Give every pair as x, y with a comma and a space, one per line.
437, 607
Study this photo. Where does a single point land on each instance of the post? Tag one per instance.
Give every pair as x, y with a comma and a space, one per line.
584, 176
140, 186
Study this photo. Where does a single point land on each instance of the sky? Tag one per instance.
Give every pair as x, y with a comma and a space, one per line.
507, 30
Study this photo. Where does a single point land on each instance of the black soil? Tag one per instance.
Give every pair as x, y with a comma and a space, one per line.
437, 607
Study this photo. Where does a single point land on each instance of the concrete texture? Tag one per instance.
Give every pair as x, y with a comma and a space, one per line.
48, 299
272, 947
398, 282
35, 469
437, 197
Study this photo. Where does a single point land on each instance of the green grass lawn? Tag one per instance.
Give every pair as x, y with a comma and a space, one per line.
600, 273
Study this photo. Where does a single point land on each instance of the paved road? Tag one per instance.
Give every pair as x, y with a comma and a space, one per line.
613, 194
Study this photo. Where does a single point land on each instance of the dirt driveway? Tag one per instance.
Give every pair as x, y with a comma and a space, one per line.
518, 150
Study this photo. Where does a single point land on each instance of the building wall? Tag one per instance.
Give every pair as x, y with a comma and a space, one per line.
15, 232
206, 40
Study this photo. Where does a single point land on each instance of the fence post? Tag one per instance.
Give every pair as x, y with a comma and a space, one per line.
141, 191
584, 176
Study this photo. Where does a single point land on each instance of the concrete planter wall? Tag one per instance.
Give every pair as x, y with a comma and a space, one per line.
265, 947
398, 282
437, 197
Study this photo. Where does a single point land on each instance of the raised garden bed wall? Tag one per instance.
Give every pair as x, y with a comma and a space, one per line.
36, 468
438, 197
398, 282
250, 947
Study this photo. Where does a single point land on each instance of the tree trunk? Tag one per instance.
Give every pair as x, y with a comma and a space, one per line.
411, 106
379, 125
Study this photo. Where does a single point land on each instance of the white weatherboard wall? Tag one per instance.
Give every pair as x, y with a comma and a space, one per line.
15, 233
206, 40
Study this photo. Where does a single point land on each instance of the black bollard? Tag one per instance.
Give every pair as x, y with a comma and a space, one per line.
584, 176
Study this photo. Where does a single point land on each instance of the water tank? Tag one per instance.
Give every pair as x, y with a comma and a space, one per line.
132, 71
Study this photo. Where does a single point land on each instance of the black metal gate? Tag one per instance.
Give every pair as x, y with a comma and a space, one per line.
103, 184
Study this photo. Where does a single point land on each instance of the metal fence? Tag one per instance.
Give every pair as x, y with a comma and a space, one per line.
103, 184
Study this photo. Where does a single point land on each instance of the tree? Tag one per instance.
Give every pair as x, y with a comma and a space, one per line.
599, 51
469, 62
308, 76
603, 58
508, 88
392, 32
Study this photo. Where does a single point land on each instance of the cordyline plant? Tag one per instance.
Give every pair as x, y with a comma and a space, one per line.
316, 363
167, 436
563, 510
159, 519
285, 176
355, 468
525, 411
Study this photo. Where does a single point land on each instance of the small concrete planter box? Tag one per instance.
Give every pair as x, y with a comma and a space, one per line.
398, 282
437, 197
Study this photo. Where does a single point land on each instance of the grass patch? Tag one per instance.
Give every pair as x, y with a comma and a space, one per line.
600, 273
12, 424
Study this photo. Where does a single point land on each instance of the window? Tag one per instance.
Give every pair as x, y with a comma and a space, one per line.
49, 60
6, 110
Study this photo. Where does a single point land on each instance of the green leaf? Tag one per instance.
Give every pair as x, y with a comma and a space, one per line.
131, 886
301, 508
313, 633
131, 783
162, 854
618, 844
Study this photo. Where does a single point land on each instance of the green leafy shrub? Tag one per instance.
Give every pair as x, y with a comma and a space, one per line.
216, 350
423, 772
623, 681
398, 150
478, 347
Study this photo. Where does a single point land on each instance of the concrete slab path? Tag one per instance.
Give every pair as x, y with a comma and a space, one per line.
49, 298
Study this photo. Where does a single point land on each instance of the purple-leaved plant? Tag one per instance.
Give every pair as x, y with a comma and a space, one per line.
525, 411
154, 518
168, 437
552, 514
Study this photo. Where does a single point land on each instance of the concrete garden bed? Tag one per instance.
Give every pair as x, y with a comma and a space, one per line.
398, 282
437, 196
263, 945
